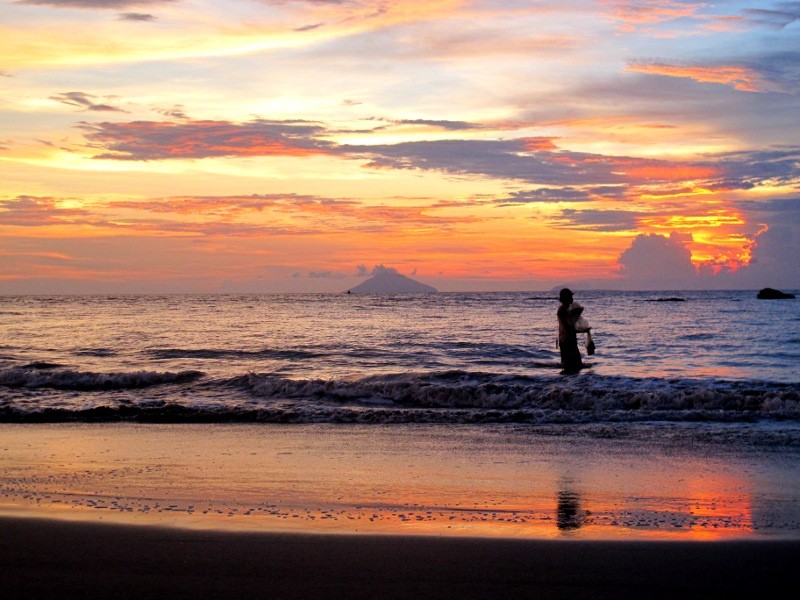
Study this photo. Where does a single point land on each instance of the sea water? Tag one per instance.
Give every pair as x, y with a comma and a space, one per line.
446, 358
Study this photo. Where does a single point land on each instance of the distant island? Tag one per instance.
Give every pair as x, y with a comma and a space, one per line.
386, 280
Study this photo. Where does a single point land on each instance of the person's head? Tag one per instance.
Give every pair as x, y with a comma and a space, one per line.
565, 296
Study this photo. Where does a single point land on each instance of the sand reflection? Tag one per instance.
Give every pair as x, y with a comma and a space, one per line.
569, 512
435, 480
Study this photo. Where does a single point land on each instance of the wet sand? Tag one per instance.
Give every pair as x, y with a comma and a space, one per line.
334, 511
56, 559
506, 482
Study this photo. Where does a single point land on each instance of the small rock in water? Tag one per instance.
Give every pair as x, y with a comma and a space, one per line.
773, 294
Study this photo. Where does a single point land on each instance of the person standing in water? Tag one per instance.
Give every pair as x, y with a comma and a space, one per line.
567, 334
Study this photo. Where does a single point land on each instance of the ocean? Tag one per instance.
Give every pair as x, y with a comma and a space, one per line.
435, 358
443, 414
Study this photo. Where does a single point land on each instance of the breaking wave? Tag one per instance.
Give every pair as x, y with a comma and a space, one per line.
441, 397
459, 389
48, 375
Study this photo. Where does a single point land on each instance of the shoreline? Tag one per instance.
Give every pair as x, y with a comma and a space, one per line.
56, 559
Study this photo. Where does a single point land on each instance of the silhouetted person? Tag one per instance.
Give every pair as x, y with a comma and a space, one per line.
567, 335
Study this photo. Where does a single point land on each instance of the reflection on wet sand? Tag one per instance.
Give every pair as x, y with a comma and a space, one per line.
435, 480
569, 515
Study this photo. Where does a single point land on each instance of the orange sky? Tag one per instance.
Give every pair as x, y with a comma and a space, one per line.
171, 146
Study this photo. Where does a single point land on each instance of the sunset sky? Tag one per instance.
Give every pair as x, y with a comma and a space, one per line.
293, 145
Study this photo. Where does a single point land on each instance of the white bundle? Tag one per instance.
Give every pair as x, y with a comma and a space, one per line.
581, 325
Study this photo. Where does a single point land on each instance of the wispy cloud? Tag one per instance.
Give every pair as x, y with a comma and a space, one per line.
95, 4
781, 16
32, 211
132, 16
85, 101
741, 78
633, 15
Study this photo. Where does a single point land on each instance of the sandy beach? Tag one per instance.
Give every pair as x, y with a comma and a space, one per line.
125, 510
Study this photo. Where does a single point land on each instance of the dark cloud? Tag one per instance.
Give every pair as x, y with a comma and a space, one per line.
777, 247
782, 15
311, 27
656, 261
565, 194
131, 16
85, 101
779, 70
442, 124
176, 112
745, 170
598, 220
152, 140
98, 4
580, 176
535, 160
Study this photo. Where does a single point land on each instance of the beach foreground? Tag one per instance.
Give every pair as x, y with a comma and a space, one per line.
56, 559
435, 511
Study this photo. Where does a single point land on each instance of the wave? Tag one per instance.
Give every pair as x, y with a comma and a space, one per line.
96, 352
37, 376
439, 397
209, 353
42, 365
458, 389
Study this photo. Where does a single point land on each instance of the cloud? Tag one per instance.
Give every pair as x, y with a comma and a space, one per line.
32, 211
765, 72
131, 16
745, 170
598, 220
633, 15
176, 112
310, 27
153, 140
441, 124
658, 261
739, 77
563, 194
535, 160
228, 206
777, 246
94, 4
85, 101
379, 270
783, 15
